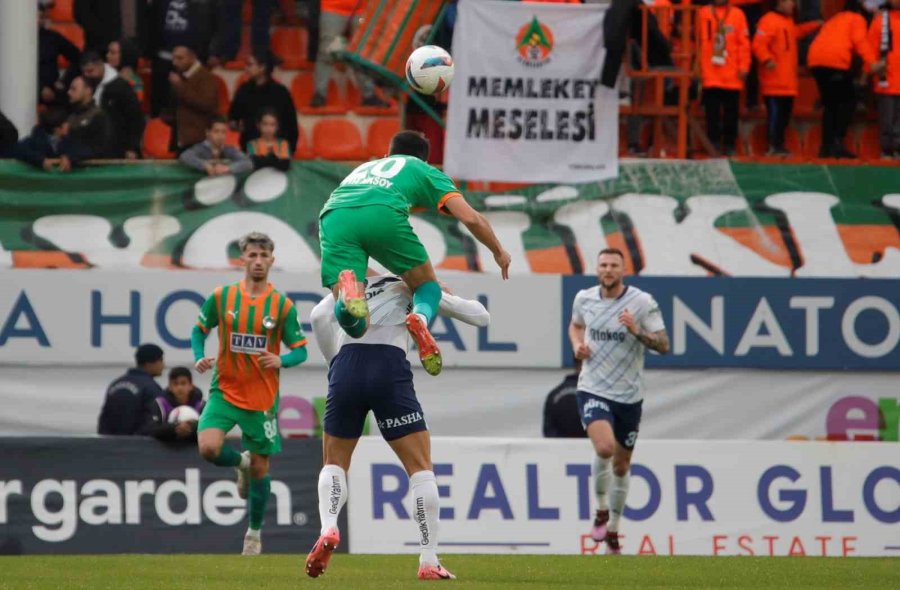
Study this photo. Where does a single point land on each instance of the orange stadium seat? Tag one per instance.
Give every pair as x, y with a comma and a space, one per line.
289, 44
157, 136
378, 139
807, 100
62, 11
303, 151
224, 98
354, 101
302, 89
233, 138
72, 32
337, 139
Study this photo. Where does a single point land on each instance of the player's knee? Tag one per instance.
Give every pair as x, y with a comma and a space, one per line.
604, 450
208, 451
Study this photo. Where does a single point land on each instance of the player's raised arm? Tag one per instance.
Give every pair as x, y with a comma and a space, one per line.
481, 229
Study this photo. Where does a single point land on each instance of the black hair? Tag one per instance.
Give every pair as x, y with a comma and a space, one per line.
128, 54
410, 143
855, 6
52, 118
269, 112
265, 58
177, 372
216, 119
147, 353
89, 82
90, 57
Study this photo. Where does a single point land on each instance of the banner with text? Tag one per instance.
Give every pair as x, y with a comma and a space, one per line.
145, 497
670, 218
768, 323
526, 104
685, 498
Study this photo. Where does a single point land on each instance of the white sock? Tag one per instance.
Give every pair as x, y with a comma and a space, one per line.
425, 511
602, 474
245, 461
332, 495
253, 533
617, 500
424, 321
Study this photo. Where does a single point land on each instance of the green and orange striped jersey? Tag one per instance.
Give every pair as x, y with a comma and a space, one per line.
247, 327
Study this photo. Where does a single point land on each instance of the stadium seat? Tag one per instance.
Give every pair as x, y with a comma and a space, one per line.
303, 151
72, 32
302, 89
378, 139
233, 138
354, 101
807, 100
289, 44
224, 98
157, 136
62, 11
337, 139
869, 141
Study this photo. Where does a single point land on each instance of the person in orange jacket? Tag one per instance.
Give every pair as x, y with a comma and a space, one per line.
775, 50
883, 38
830, 57
723, 62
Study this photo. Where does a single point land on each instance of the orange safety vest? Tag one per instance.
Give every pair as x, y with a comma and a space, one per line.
261, 147
841, 36
892, 58
776, 41
724, 43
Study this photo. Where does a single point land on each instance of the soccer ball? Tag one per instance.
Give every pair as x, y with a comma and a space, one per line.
429, 69
183, 414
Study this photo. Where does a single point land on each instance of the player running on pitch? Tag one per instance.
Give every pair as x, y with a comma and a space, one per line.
611, 326
372, 373
368, 216
253, 320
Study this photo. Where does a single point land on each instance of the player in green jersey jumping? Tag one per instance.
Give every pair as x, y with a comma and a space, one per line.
368, 216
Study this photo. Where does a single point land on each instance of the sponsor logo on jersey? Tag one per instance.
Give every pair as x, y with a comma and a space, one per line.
607, 335
595, 403
248, 343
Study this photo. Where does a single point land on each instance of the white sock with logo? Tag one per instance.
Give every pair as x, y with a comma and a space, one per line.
332, 495
425, 512
602, 474
617, 500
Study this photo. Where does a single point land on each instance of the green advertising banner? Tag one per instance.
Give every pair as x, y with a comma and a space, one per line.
672, 218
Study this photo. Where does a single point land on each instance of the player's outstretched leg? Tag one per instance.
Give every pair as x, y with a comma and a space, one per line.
332, 497
425, 513
350, 305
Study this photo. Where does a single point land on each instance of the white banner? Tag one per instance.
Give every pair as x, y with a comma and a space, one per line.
686, 498
65, 317
526, 104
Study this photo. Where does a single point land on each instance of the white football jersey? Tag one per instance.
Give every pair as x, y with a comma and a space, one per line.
389, 302
615, 369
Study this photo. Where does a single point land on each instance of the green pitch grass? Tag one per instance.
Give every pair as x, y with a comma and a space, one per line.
486, 572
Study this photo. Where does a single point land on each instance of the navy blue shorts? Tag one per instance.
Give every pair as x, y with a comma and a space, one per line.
625, 419
374, 377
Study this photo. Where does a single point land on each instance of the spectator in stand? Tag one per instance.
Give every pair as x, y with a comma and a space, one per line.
48, 146
213, 156
195, 96
115, 96
101, 21
262, 93
9, 135
89, 126
268, 150
51, 46
180, 392
123, 56
883, 38
228, 33
724, 60
337, 17
661, 10
830, 58
562, 418
130, 406
775, 49
753, 11
174, 23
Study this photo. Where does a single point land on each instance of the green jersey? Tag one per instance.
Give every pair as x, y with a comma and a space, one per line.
399, 182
